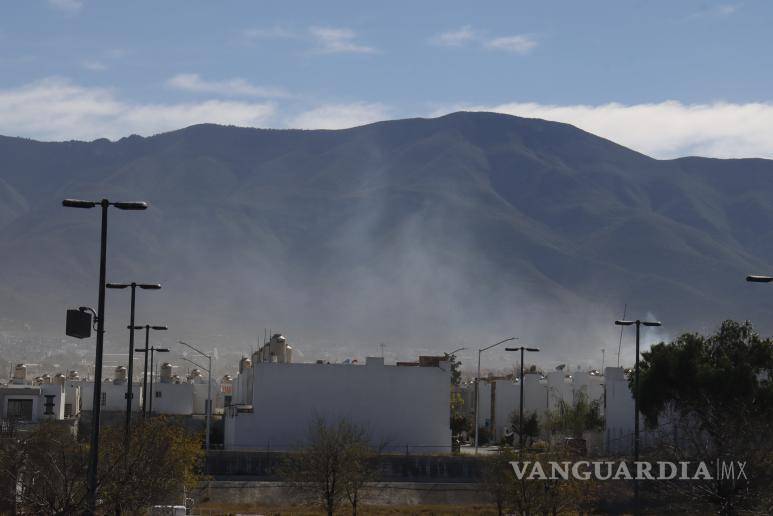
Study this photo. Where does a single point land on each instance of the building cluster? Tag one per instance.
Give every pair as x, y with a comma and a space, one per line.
271, 401
25, 400
545, 394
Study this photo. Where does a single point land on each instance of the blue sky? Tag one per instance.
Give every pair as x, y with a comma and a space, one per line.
667, 78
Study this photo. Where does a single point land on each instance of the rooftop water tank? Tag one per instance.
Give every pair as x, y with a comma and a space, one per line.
166, 372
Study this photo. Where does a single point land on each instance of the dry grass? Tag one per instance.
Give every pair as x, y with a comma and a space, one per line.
299, 510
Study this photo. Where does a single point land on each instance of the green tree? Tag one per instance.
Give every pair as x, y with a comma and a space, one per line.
531, 427
573, 419
717, 392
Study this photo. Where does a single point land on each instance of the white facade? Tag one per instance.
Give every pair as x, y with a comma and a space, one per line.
173, 398
113, 396
400, 407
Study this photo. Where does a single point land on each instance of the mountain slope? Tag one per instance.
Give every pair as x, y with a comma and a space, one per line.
422, 233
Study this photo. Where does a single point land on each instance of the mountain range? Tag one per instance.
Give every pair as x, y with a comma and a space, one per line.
424, 234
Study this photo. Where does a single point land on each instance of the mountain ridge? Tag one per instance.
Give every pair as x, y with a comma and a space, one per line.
472, 212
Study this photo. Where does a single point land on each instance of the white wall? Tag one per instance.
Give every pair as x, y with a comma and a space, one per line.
399, 406
57, 391
173, 398
114, 395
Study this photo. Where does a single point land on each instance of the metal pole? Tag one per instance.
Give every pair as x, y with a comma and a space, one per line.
97, 401
150, 403
209, 397
520, 415
477, 402
145, 376
130, 380
636, 416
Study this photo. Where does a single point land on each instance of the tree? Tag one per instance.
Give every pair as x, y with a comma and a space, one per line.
459, 422
334, 464
498, 478
44, 471
717, 392
163, 462
531, 426
575, 418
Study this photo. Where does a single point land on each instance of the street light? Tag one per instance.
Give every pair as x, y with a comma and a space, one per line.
209, 386
638, 324
153, 352
147, 327
520, 415
759, 279
129, 384
477, 386
96, 406
452, 353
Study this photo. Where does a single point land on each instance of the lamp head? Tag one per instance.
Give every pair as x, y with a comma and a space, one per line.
77, 203
131, 205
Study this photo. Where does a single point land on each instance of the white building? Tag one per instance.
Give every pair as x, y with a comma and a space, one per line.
30, 402
541, 395
113, 394
401, 407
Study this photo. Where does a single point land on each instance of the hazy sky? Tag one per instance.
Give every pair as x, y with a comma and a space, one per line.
663, 77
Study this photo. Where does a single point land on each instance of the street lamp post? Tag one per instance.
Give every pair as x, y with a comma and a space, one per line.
96, 406
209, 387
477, 387
520, 410
129, 384
147, 327
638, 323
153, 351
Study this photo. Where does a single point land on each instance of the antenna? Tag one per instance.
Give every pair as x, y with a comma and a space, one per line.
603, 351
620, 344
382, 346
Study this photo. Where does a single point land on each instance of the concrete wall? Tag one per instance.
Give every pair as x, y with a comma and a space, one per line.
114, 395
173, 398
402, 407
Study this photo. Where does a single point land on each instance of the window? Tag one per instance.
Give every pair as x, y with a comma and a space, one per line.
103, 399
158, 394
68, 410
20, 409
49, 405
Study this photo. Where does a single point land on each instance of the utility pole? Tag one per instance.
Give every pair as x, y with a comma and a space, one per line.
96, 404
521, 388
638, 323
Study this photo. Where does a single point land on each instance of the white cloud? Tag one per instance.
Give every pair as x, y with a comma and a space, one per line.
66, 5
57, 109
339, 116
331, 40
94, 66
666, 129
275, 32
230, 87
454, 38
716, 11
517, 44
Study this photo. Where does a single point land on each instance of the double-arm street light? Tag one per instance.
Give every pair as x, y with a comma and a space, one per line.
209, 386
477, 386
521, 386
148, 351
638, 324
129, 384
96, 406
